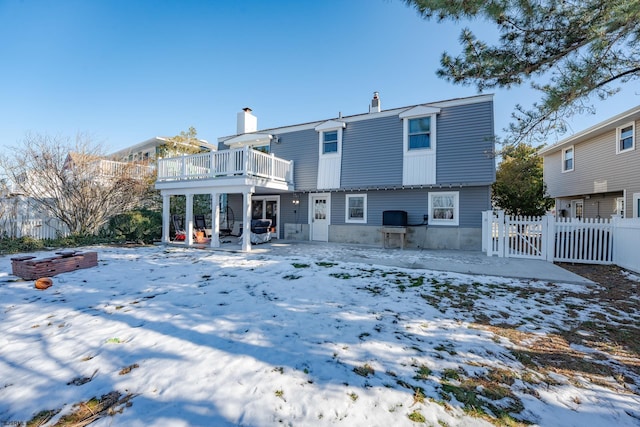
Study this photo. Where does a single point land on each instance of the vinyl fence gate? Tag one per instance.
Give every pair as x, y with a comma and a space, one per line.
547, 238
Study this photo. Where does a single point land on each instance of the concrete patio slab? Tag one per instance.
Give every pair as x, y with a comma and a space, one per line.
468, 262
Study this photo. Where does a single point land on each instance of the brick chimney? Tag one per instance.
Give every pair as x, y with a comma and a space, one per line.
247, 122
375, 104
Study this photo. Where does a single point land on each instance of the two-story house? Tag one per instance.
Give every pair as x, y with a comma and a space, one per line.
333, 180
596, 173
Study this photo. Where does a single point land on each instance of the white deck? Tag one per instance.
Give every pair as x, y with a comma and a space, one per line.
233, 163
239, 170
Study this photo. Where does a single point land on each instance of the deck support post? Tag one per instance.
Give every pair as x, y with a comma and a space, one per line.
246, 221
215, 219
188, 221
166, 213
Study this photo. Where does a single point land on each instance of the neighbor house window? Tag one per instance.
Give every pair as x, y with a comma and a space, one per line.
626, 138
443, 208
263, 148
356, 209
567, 159
420, 133
330, 142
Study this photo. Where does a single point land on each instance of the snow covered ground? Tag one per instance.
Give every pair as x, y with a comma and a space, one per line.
186, 337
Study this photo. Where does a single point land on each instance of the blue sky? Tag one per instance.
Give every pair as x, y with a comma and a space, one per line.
124, 71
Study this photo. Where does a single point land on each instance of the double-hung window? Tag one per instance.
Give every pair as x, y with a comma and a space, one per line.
444, 208
356, 208
625, 135
330, 142
419, 133
567, 159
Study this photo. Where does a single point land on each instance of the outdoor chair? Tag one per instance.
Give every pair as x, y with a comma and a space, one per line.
199, 223
178, 225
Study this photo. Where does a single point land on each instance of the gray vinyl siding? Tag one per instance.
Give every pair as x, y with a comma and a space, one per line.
465, 144
473, 200
595, 163
302, 148
372, 153
372, 150
597, 206
293, 214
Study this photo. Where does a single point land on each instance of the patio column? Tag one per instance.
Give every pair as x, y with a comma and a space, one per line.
166, 214
215, 219
246, 222
188, 220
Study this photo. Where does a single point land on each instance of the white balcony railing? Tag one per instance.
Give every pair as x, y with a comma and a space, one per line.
110, 168
234, 162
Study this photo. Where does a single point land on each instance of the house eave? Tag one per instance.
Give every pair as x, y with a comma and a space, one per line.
595, 130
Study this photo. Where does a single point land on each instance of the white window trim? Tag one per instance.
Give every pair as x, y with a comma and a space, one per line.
346, 209
432, 136
329, 126
573, 164
416, 113
456, 208
619, 136
339, 143
636, 203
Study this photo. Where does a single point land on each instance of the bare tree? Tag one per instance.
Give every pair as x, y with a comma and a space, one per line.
72, 181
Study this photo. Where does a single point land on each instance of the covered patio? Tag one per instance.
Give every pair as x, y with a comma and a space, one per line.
242, 171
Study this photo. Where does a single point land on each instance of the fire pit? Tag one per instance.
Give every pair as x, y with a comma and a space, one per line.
30, 268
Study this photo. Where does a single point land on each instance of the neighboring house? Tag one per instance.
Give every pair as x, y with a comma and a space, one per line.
331, 180
99, 168
148, 151
596, 173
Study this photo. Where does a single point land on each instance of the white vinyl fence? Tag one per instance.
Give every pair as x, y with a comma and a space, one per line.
589, 241
625, 243
40, 228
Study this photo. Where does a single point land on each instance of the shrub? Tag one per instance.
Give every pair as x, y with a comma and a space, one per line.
142, 225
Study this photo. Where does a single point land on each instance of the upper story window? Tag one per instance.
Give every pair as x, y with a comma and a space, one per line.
330, 142
419, 133
625, 135
567, 159
330, 133
419, 130
356, 208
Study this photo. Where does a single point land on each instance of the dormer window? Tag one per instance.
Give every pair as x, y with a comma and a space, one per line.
419, 137
330, 142
420, 133
330, 137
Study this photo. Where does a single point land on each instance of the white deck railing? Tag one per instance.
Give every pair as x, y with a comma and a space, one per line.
112, 168
234, 162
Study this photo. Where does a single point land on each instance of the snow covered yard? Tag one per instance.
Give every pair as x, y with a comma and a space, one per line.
185, 337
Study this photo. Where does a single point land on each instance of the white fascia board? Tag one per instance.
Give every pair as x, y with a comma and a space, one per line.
330, 125
463, 101
419, 111
249, 139
595, 130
